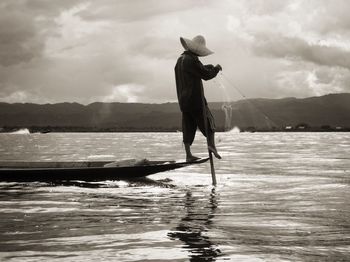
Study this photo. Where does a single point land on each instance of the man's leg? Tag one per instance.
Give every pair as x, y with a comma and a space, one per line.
210, 126
211, 146
189, 128
189, 156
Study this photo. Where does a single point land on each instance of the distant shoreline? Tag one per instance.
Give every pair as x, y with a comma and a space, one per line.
329, 113
45, 130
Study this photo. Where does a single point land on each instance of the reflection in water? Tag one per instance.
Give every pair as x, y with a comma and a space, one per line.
192, 228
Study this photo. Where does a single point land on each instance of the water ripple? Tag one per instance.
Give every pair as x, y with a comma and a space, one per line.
281, 197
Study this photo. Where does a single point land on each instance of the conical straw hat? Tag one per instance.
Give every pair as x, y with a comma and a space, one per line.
197, 45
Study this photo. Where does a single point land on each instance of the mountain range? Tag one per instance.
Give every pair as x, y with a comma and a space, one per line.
329, 112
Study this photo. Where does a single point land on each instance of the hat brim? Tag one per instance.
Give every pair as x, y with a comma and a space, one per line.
199, 50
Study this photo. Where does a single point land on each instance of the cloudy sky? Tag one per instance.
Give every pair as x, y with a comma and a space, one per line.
125, 50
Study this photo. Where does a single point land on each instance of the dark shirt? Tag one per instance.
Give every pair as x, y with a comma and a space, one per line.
189, 72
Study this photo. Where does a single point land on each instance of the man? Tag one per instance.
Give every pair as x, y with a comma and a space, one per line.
189, 72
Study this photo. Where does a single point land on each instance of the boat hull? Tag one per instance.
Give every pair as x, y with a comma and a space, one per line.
88, 174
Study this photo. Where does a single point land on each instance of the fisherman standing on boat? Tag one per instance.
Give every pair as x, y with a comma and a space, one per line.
189, 72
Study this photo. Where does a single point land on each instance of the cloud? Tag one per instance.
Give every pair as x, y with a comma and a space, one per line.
86, 51
24, 26
296, 48
124, 93
137, 10
19, 40
329, 18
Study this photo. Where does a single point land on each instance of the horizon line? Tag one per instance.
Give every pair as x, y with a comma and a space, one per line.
174, 102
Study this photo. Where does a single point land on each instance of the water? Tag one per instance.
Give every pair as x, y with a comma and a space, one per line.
280, 197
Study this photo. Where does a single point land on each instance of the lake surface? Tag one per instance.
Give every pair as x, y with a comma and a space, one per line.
280, 197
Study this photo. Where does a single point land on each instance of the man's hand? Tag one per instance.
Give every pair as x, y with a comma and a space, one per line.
219, 67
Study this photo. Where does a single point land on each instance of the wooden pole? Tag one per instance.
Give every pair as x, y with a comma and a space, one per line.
205, 118
212, 169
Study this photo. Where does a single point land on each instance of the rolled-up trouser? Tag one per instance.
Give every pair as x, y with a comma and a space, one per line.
193, 119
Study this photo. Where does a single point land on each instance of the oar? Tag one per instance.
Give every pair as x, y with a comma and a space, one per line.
205, 116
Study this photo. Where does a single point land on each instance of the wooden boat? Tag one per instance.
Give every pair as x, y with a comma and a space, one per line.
12, 171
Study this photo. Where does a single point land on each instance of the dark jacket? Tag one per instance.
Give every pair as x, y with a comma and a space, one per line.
189, 72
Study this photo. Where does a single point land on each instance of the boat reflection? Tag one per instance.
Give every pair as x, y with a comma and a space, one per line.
194, 226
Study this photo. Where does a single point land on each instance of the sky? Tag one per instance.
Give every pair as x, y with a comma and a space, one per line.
125, 50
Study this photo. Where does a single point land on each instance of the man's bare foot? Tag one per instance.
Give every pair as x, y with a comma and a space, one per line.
192, 158
214, 151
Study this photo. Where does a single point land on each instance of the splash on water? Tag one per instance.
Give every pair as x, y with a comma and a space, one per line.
222, 138
22, 131
235, 130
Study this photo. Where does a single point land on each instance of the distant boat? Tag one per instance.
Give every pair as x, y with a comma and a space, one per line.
13, 171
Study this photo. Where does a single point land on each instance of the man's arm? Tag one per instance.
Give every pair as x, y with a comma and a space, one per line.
198, 69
